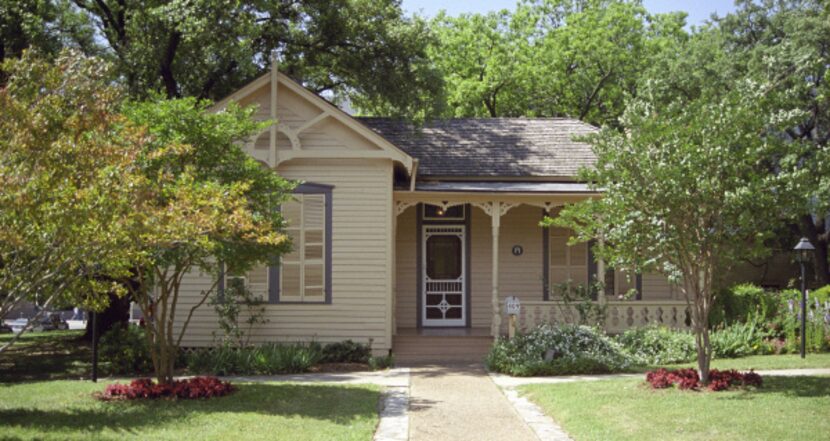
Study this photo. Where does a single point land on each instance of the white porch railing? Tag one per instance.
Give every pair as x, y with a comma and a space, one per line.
621, 315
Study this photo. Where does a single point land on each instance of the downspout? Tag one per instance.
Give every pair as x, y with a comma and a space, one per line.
415, 162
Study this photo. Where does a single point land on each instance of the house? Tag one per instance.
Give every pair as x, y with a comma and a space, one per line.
403, 237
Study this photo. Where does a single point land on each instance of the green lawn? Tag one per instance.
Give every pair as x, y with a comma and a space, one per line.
761, 362
45, 356
786, 408
66, 410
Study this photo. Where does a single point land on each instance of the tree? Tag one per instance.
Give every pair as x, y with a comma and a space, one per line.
204, 203
362, 49
551, 58
686, 188
45, 25
788, 42
476, 54
66, 158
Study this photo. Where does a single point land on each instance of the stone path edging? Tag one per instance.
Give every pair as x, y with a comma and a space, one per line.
542, 425
394, 415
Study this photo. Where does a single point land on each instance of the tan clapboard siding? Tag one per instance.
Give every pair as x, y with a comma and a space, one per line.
481, 268
361, 249
657, 287
360, 282
521, 276
406, 299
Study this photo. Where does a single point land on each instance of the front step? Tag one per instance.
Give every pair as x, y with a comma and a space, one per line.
423, 349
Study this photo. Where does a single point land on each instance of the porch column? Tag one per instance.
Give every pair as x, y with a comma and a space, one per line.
495, 218
601, 275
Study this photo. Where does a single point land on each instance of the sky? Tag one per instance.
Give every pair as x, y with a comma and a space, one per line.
699, 10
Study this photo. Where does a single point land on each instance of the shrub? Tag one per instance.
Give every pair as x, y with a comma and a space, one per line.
657, 345
380, 363
124, 349
346, 352
741, 339
193, 388
268, 359
552, 350
688, 379
235, 301
743, 301
822, 295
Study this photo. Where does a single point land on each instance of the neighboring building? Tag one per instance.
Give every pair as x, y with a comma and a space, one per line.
397, 231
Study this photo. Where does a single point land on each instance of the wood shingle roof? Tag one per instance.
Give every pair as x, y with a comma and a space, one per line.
492, 147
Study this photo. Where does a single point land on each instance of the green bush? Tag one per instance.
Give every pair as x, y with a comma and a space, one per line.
124, 350
380, 363
347, 352
739, 303
268, 359
657, 345
740, 340
552, 350
788, 326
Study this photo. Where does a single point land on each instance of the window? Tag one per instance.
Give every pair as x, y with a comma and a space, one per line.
567, 262
443, 257
255, 281
303, 273
619, 282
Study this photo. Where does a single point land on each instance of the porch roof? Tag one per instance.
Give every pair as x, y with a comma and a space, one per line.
492, 147
504, 187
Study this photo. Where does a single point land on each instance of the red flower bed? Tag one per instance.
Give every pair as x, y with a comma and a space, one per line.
193, 388
688, 379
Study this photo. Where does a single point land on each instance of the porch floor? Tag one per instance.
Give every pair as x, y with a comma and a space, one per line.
445, 332
414, 346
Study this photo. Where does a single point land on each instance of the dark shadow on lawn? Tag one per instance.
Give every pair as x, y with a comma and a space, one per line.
340, 405
46, 356
789, 387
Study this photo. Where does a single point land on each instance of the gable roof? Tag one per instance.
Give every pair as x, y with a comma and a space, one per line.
392, 151
492, 147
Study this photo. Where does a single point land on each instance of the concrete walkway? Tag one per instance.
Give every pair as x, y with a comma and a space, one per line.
461, 403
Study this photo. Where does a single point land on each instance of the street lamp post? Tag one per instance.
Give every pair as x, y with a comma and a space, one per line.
803, 250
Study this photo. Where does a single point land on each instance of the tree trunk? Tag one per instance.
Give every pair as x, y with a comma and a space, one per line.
116, 313
704, 353
699, 300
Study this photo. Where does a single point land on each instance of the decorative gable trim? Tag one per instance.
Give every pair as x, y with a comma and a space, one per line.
387, 150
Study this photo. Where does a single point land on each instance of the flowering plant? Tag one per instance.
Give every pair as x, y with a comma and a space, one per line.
688, 379
193, 388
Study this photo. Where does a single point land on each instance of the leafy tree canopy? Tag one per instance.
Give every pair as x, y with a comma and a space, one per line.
363, 50
687, 188
204, 202
577, 58
787, 42
67, 170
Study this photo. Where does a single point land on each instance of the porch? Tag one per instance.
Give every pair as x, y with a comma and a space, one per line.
460, 255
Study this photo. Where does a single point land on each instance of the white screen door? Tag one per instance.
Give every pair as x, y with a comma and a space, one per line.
443, 275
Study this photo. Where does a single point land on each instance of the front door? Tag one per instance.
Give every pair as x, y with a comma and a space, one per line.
443, 302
